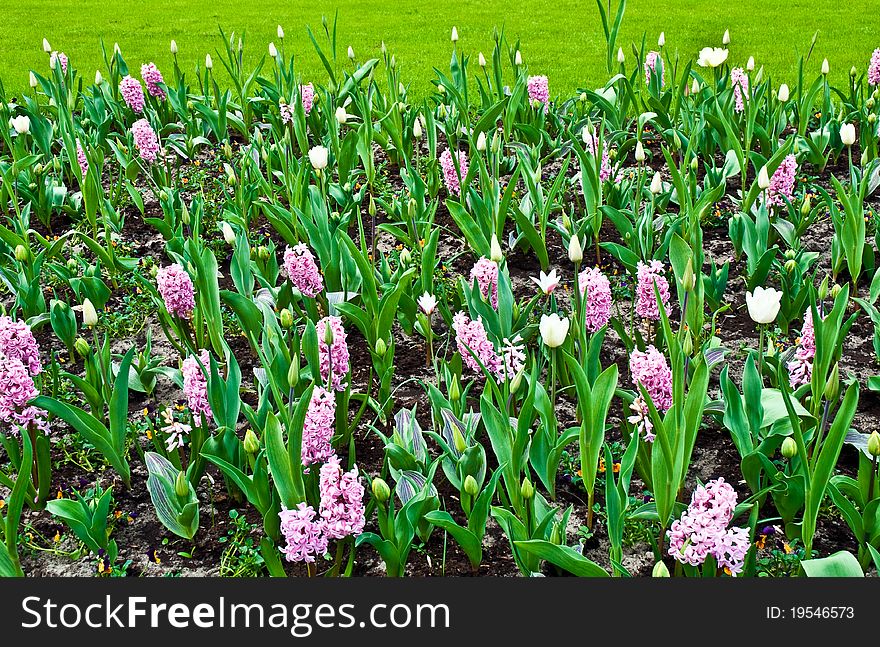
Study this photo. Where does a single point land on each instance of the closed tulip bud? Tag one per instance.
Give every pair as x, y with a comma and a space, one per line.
174, 47
496, 143
874, 444
481, 142
181, 485
46, 46
495, 253
251, 442
783, 93
848, 134
98, 78
832, 385
293, 371
825, 67
319, 157
763, 179
583, 97
350, 53
405, 257
725, 40
341, 116
864, 159
620, 57
575, 250
695, 87
286, 317
662, 40
516, 382
328, 334
695, 163
872, 118
280, 33
517, 59
853, 71
640, 152
527, 490
553, 329
263, 253
870, 103
81, 346
371, 207
790, 265
835, 290
32, 79
454, 390
470, 485
90, 315
21, 253
789, 447
805, 205
656, 183
689, 277
454, 36
417, 129
380, 490
458, 440
660, 570
273, 51
823, 289
481, 60
228, 233
209, 63
687, 344
381, 347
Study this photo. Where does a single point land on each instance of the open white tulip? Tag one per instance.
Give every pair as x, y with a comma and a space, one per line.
341, 115
554, 330
546, 282
763, 304
318, 157
428, 303
712, 57
21, 124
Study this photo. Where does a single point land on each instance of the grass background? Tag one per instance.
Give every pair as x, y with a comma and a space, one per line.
562, 39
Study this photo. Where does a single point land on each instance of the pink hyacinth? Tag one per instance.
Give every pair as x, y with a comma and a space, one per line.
82, 159
652, 60
304, 535
195, 384
153, 78
132, 93
176, 288
740, 82
591, 143
450, 176
318, 427
334, 357
16, 390
307, 94
18, 342
647, 275
539, 91
485, 273
874, 68
299, 263
470, 336
596, 290
702, 529
145, 140
650, 369
286, 112
782, 183
58, 57
342, 501
800, 369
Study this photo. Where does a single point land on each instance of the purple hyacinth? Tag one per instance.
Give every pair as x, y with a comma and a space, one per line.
177, 290
132, 93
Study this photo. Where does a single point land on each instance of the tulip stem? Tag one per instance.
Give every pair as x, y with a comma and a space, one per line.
761, 354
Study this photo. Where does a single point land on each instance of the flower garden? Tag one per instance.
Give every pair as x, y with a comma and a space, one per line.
256, 324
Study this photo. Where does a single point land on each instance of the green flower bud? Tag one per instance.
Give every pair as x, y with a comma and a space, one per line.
872, 118
869, 104
516, 382
293, 371
689, 279
181, 485
454, 390
789, 447
21, 253
471, 487
286, 318
832, 385
380, 490
660, 570
823, 289
81, 346
790, 265
459, 441
687, 344
381, 347
835, 290
371, 209
263, 253
527, 490
251, 442
405, 257
874, 444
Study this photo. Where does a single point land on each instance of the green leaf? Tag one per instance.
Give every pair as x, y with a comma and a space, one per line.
841, 564
564, 557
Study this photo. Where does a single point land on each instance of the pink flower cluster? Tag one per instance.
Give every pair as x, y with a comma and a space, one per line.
299, 263
740, 82
470, 334
800, 369
652, 60
782, 183
650, 369
485, 273
874, 68
450, 176
195, 384
153, 77
286, 112
82, 159
539, 91
702, 529
307, 94
333, 357
596, 290
513, 358
18, 342
59, 57
16, 390
177, 290
145, 140
590, 145
304, 536
646, 303
132, 93
342, 501
318, 427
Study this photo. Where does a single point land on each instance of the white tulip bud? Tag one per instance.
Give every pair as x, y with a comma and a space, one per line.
46, 46
481, 60
481, 142
98, 78
33, 80
783, 93
209, 63
350, 53
763, 179
726, 39
656, 183
454, 35
695, 86
273, 51
341, 115
318, 156
750, 65
763, 304
90, 315
575, 251
825, 67
417, 129
553, 329
228, 233
662, 40
640, 152
517, 60
848, 134
280, 33
495, 253
174, 47
620, 57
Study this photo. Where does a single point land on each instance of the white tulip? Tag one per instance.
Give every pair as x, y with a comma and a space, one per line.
21, 124
98, 78
750, 65
712, 57
417, 129
428, 303
546, 282
208, 62
620, 57
825, 67
46, 46
575, 251
656, 183
848, 134
763, 304
662, 40
341, 115
454, 35
174, 47
382, 47
495, 252
481, 60
318, 157
725, 40
695, 86
481, 142
783, 93
350, 53
517, 60
32, 79
640, 152
273, 51
90, 315
553, 329
763, 179
280, 33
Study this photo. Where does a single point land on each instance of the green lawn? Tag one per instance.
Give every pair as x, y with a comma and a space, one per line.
562, 39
